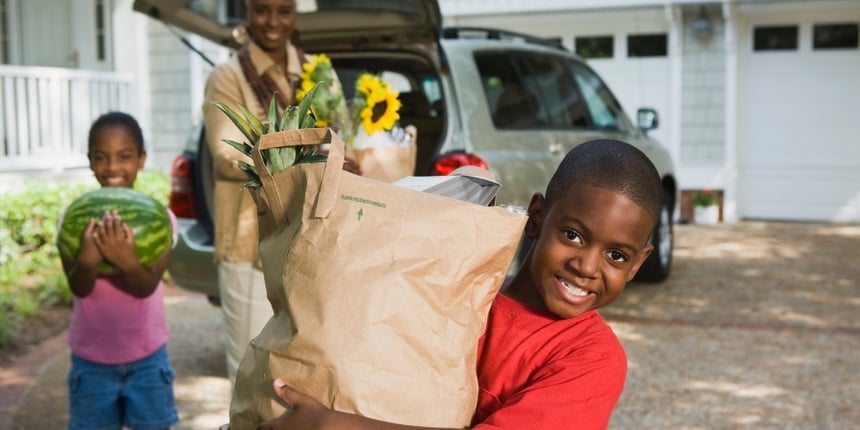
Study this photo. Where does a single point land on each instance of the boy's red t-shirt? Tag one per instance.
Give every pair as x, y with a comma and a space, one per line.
540, 372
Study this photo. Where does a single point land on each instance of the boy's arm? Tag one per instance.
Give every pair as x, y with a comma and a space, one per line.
309, 414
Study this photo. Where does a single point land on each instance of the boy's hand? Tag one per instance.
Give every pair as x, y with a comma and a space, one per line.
115, 240
307, 413
89, 254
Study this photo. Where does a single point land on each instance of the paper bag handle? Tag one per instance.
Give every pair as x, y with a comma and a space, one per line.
327, 195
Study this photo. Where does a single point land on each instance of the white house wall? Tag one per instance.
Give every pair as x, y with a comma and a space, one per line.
130, 57
177, 80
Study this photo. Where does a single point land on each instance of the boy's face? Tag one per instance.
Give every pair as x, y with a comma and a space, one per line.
115, 157
590, 243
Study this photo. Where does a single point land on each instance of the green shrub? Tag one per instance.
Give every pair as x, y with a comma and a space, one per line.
31, 275
705, 198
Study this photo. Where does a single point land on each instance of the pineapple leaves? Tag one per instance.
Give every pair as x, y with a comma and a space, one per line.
275, 159
252, 119
240, 122
250, 171
272, 122
305, 105
241, 146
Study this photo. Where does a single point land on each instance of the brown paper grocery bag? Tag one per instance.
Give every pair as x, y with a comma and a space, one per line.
388, 163
380, 293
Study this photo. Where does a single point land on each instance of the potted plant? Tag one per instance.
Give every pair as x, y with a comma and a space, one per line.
705, 207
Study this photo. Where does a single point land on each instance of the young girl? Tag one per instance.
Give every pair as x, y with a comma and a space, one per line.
120, 373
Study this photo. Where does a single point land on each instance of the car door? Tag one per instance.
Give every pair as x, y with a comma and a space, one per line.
507, 129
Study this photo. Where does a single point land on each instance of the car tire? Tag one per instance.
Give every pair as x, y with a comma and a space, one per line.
659, 264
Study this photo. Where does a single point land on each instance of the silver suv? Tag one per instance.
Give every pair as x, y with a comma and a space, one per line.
512, 103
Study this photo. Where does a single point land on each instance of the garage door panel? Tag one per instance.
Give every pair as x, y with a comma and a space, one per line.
800, 145
824, 195
799, 130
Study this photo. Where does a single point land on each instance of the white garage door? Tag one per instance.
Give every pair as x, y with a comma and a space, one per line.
799, 116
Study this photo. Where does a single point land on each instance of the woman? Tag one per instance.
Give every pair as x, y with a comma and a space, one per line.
269, 64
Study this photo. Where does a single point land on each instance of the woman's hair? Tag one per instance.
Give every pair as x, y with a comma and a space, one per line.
116, 119
610, 164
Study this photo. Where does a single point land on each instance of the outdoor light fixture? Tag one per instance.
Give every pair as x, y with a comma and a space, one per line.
702, 26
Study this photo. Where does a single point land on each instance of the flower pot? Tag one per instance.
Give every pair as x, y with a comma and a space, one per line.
707, 215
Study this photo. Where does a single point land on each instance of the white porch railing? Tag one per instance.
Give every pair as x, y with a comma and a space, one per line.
46, 112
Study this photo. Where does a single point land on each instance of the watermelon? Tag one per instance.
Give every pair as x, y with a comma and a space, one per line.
147, 217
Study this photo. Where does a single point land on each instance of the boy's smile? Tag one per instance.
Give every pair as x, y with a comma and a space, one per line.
590, 243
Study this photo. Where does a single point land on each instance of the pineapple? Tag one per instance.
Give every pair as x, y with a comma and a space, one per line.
276, 159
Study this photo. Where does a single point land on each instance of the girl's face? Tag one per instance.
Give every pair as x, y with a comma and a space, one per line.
115, 157
271, 22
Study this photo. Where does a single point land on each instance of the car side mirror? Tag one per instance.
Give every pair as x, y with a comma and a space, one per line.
647, 119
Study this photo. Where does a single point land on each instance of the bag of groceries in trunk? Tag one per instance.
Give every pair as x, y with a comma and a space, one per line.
380, 292
385, 156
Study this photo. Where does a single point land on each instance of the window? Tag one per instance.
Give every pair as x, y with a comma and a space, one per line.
555, 41
602, 105
831, 36
647, 45
100, 31
4, 33
559, 103
781, 38
595, 47
511, 104
236, 13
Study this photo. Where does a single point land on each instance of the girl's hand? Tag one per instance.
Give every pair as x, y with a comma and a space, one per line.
115, 240
89, 254
307, 413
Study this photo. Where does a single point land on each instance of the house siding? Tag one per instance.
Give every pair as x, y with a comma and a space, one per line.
703, 94
178, 77
170, 69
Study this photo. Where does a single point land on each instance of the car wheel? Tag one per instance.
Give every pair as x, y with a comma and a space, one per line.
659, 264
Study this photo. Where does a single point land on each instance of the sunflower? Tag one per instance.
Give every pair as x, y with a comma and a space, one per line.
368, 84
380, 110
330, 99
318, 68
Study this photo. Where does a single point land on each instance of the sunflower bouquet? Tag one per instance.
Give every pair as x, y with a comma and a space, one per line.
328, 105
373, 108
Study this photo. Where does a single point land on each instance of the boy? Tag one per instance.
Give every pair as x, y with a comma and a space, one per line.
547, 359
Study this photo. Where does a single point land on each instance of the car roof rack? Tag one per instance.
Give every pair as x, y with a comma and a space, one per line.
497, 34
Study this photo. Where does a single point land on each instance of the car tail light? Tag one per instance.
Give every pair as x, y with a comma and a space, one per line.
448, 162
181, 188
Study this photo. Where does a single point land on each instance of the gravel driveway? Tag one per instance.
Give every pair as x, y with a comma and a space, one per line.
757, 328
